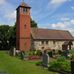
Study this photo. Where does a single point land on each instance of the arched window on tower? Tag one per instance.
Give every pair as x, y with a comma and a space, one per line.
24, 10
25, 26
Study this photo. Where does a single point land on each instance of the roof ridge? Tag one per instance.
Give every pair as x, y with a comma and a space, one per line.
49, 29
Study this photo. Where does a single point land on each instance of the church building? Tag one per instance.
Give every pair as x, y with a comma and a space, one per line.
28, 38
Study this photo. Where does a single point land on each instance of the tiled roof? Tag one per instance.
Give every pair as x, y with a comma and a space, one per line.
38, 33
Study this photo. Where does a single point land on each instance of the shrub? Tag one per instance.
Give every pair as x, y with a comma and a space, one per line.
54, 66
71, 54
72, 57
21, 55
61, 59
50, 53
71, 51
31, 52
61, 64
38, 52
60, 52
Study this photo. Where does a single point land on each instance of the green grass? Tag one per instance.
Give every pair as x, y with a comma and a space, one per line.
13, 65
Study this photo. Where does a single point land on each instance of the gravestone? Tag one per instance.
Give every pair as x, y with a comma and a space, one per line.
45, 59
14, 51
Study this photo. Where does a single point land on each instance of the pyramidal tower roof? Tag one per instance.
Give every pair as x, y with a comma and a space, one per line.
24, 4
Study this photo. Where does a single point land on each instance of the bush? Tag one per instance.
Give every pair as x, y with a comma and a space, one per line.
54, 66
38, 52
61, 59
50, 53
59, 52
61, 64
32, 52
21, 55
71, 51
72, 57
35, 52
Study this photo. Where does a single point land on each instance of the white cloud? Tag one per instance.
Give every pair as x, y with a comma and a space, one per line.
7, 11
59, 25
71, 31
72, 21
11, 15
72, 7
65, 25
57, 1
2, 2
65, 19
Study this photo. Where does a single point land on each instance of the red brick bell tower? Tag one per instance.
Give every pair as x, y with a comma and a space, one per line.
23, 27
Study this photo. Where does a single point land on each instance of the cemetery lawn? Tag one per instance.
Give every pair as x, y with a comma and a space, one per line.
13, 65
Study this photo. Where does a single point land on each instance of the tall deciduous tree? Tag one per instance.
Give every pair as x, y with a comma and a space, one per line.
4, 36
33, 24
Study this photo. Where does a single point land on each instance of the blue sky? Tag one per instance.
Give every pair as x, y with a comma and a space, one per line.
52, 14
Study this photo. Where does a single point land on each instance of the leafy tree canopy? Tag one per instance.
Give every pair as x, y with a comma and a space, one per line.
33, 23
